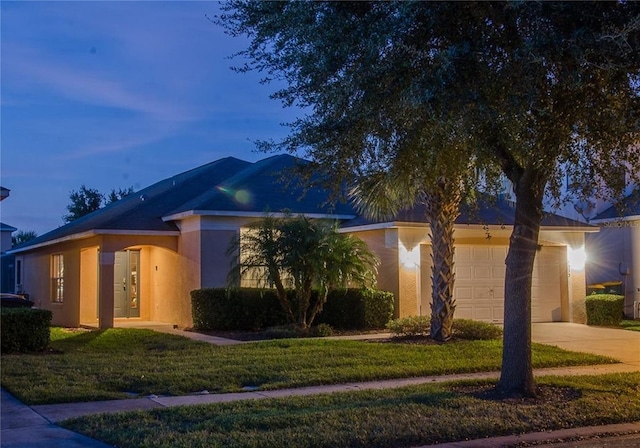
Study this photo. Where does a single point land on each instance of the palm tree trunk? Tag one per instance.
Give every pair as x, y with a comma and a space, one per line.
443, 208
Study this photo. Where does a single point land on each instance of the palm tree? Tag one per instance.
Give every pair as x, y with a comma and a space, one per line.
304, 255
385, 193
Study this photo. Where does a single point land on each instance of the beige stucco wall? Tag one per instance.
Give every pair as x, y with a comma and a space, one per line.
36, 275
89, 284
167, 297
215, 261
88, 280
172, 266
388, 275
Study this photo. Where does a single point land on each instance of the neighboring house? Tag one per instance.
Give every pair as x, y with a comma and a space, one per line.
140, 257
7, 271
5, 230
615, 252
5, 236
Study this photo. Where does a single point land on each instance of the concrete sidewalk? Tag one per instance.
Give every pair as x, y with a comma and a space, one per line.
58, 412
24, 426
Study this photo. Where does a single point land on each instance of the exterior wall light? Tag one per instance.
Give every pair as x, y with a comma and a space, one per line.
410, 258
577, 257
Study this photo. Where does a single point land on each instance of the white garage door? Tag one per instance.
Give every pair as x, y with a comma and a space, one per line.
479, 287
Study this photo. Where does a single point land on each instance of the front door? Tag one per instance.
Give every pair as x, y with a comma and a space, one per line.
126, 295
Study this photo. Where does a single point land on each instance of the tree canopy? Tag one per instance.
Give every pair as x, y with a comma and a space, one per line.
22, 236
86, 200
533, 91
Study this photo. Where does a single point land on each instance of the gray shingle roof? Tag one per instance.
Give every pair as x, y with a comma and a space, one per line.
229, 186
267, 185
144, 209
484, 212
629, 206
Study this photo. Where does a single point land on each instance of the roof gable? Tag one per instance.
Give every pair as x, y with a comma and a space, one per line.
268, 185
144, 209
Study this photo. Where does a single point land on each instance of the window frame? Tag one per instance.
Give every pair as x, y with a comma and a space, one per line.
57, 278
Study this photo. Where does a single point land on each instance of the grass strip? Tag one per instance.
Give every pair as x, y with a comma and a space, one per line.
410, 416
125, 363
628, 324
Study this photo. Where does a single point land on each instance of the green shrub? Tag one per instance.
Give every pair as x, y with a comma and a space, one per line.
25, 330
475, 330
322, 331
604, 309
244, 309
250, 309
412, 326
357, 309
378, 308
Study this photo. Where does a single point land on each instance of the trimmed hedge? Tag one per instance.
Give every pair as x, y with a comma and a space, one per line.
357, 309
604, 309
25, 329
244, 309
256, 309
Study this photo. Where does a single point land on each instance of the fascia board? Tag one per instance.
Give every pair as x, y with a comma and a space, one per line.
92, 233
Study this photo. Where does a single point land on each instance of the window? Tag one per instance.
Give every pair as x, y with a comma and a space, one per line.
18, 276
57, 278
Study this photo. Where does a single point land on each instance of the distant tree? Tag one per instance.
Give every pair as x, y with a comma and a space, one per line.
301, 254
83, 202
22, 236
87, 200
115, 195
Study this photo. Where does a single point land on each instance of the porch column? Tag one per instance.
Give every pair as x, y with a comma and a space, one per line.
105, 289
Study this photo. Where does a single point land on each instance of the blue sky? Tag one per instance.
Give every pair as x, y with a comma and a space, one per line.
118, 94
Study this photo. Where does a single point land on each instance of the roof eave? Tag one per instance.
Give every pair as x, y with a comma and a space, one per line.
616, 219
395, 224
252, 214
92, 233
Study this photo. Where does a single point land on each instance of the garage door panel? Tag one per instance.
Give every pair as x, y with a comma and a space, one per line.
481, 272
480, 276
464, 312
483, 313
463, 293
480, 254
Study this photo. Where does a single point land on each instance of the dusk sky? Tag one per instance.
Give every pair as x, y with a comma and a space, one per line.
118, 94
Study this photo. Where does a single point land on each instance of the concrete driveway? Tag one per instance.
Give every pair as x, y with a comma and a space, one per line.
619, 344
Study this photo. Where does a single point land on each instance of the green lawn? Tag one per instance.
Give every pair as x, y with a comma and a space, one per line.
124, 363
411, 416
633, 325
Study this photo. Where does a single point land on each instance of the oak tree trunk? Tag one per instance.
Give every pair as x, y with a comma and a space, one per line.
516, 378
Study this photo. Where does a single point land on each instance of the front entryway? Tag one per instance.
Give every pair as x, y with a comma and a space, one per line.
126, 293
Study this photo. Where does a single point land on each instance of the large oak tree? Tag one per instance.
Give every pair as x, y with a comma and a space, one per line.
539, 89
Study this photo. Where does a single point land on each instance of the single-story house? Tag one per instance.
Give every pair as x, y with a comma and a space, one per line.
140, 257
615, 250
